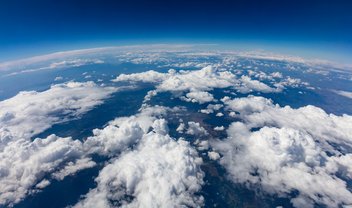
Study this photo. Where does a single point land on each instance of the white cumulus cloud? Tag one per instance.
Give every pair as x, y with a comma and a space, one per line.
198, 96
289, 151
159, 172
24, 163
197, 82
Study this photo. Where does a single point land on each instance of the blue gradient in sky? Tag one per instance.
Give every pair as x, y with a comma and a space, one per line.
313, 28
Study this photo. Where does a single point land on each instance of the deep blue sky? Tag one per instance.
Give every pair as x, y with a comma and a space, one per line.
38, 26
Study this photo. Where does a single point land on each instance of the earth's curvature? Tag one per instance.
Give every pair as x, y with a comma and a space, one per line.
174, 126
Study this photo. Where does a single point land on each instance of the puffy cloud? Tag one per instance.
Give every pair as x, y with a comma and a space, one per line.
44, 183
123, 132
195, 81
277, 79
291, 82
202, 144
30, 112
198, 96
219, 128
247, 105
148, 76
276, 74
158, 172
284, 151
281, 161
248, 85
259, 111
59, 78
213, 155
211, 108
24, 163
180, 128
219, 114
73, 167
194, 128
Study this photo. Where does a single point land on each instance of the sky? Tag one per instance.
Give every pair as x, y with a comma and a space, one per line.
316, 28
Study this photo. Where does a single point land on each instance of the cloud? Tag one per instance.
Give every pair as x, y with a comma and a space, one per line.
202, 144
343, 93
219, 128
22, 63
27, 165
63, 55
211, 108
278, 80
181, 128
283, 151
59, 78
265, 55
282, 161
158, 172
148, 76
73, 167
213, 155
58, 65
123, 132
259, 111
219, 114
194, 128
74, 63
24, 163
248, 85
44, 183
30, 112
198, 96
196, 82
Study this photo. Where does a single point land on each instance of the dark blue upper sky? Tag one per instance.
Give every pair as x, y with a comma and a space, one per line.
39, 26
